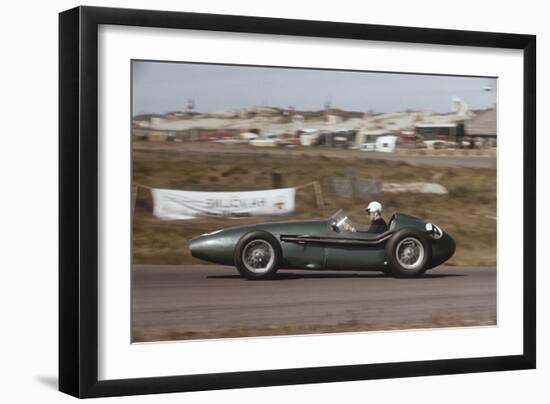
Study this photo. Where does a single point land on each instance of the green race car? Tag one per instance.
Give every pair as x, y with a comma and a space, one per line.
408, 247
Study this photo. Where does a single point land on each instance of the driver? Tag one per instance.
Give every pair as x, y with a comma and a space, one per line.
377, 223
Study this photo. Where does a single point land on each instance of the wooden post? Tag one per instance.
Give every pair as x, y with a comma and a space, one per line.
317, 190
318, 194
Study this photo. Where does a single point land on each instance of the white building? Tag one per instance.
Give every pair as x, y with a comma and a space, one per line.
386, 144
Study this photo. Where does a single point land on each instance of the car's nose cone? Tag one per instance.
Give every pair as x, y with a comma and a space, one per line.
213, 247
198, 247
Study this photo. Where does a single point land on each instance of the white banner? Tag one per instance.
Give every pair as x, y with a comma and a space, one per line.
177, 205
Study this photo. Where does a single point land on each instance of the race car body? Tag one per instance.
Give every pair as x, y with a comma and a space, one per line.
407, 248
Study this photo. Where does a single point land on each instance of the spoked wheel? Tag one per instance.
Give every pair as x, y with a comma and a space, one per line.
409, 253
257, 255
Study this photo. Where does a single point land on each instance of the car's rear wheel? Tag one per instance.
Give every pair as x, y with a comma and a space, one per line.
257, 255
409, 253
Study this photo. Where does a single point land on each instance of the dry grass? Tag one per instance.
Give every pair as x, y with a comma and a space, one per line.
468, 212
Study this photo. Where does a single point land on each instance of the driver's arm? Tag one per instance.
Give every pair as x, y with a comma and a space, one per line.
349, 227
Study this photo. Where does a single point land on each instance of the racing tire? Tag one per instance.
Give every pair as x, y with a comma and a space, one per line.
409, 253
257, 255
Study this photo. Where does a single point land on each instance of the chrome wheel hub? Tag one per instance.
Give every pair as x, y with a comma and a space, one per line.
410, 253
258, 256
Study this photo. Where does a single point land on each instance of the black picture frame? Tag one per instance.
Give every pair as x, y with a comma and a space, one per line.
78, 201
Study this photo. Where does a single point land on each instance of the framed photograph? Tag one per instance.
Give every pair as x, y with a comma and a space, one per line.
251, 202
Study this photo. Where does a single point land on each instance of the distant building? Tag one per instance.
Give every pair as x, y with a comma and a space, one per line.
216, 135
338, 138
451, 132
308, 137
249, 135
409, 139
484, 124
157, 136
368, 136
386, 144
333, 119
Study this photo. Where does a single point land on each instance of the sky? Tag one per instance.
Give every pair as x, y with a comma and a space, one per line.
160, 87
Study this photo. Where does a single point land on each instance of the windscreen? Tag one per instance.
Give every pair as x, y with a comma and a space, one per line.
341, 220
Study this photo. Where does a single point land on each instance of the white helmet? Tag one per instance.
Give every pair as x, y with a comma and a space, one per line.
374, 207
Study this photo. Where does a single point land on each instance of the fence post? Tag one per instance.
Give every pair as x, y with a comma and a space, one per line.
318, 194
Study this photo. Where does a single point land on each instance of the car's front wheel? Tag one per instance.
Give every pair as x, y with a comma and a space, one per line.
257, 255
409, 253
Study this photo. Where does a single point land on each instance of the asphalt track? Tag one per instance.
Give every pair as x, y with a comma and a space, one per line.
204, 301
